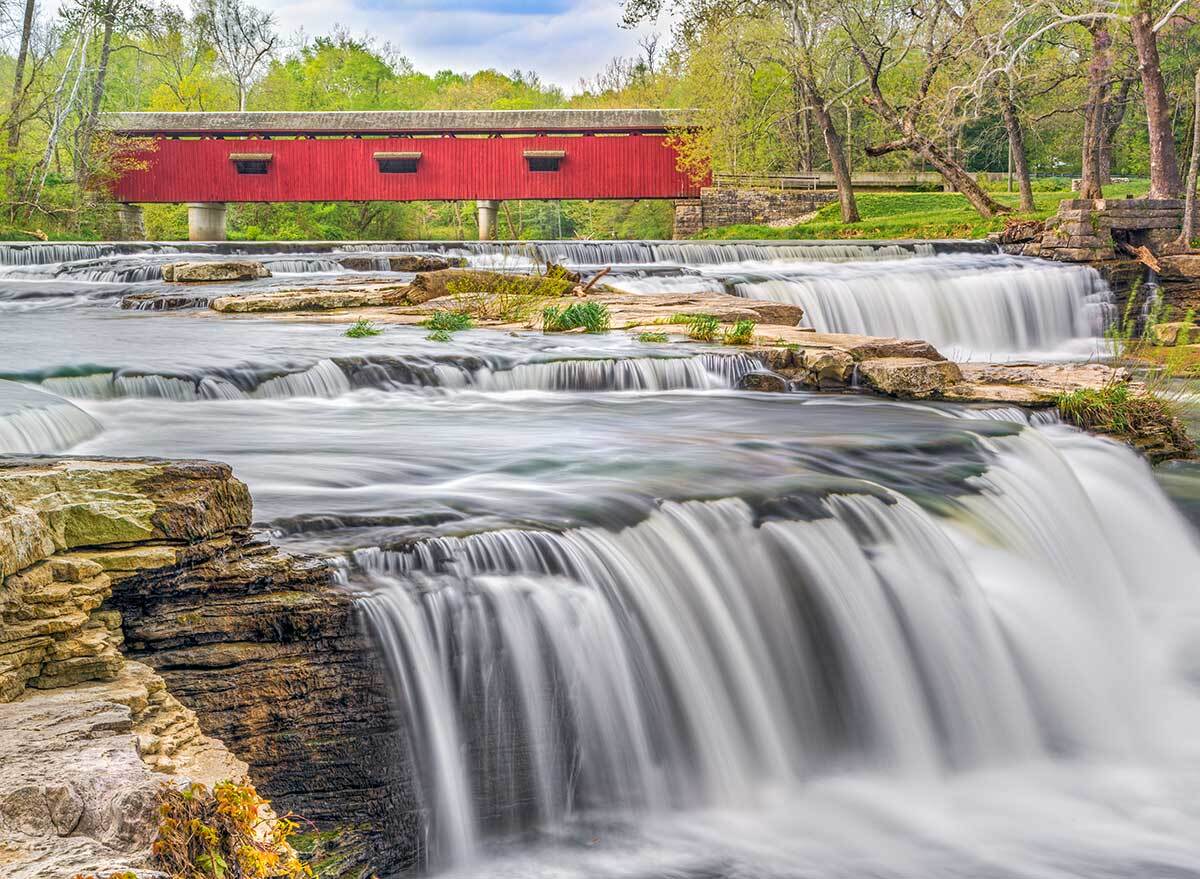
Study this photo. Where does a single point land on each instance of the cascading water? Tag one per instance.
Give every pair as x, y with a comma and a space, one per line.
333, 377
32, 422
721, 650
969, 307
704, 635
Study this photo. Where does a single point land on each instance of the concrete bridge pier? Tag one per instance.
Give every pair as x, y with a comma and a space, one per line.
133, 222
206, 221
487, 209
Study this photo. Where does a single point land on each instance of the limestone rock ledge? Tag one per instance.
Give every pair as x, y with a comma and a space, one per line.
124, 576
81, 767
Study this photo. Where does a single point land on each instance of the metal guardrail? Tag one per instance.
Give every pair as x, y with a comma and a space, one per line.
766, 181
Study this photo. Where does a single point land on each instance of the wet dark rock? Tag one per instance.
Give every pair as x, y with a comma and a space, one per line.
763, 381
163, 301
421, 263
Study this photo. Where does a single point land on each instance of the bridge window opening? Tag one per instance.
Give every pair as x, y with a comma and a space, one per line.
544, 160
251, 163
397, 163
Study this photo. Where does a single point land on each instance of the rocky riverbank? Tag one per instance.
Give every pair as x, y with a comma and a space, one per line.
150, 636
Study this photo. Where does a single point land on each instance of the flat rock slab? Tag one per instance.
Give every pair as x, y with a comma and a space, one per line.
633, 309
214, 272
313, 299
1029, 384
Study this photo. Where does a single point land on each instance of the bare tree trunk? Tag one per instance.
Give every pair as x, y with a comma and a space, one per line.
18, 91
1164, 165
836, 151
809, 160
1090, 185
957, 176
1190, 220
83, 160
1016, 148
1114, 115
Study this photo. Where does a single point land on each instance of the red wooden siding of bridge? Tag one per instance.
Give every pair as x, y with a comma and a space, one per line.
618, 166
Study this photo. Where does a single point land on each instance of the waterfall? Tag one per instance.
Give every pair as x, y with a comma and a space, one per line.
41, 254
968, 306
337, 376
35, 423
297, 266
702, 372
719, 649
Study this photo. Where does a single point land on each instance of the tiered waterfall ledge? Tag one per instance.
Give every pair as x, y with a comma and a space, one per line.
799, 357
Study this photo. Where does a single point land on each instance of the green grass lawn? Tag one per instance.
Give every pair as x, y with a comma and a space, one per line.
915, 215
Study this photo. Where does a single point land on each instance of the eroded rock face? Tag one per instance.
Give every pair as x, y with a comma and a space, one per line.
209, 272
1184, 266
1168, 334
80, 771
106, 561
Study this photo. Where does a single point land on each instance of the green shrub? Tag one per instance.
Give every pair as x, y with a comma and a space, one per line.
703, 327
439, 336
592, 316
363, 328
741, 333
495, 296
649, 338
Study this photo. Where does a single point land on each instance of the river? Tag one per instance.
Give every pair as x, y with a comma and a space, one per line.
642, 624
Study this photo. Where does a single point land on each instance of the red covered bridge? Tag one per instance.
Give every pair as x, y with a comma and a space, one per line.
208, 159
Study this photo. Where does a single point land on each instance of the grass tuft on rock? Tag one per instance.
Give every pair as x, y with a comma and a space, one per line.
703, 327
1114, 409
361, 329
652, 338
592, 317
492, 296
444, 321
741, 333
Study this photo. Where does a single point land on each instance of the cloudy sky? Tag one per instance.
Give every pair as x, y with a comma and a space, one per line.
562, 40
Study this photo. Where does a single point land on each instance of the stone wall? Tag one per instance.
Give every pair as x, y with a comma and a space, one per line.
139, 588
1087, 230
763, 207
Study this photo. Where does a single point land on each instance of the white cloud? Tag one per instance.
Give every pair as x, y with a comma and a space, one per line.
575, 39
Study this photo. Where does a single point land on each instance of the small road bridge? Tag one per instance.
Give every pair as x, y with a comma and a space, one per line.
210, 159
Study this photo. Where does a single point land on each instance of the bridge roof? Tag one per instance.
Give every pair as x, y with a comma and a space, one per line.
395, 121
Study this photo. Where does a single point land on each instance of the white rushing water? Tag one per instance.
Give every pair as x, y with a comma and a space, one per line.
969, 307
718, 653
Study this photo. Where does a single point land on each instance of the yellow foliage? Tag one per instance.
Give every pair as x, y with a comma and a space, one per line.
225, 833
